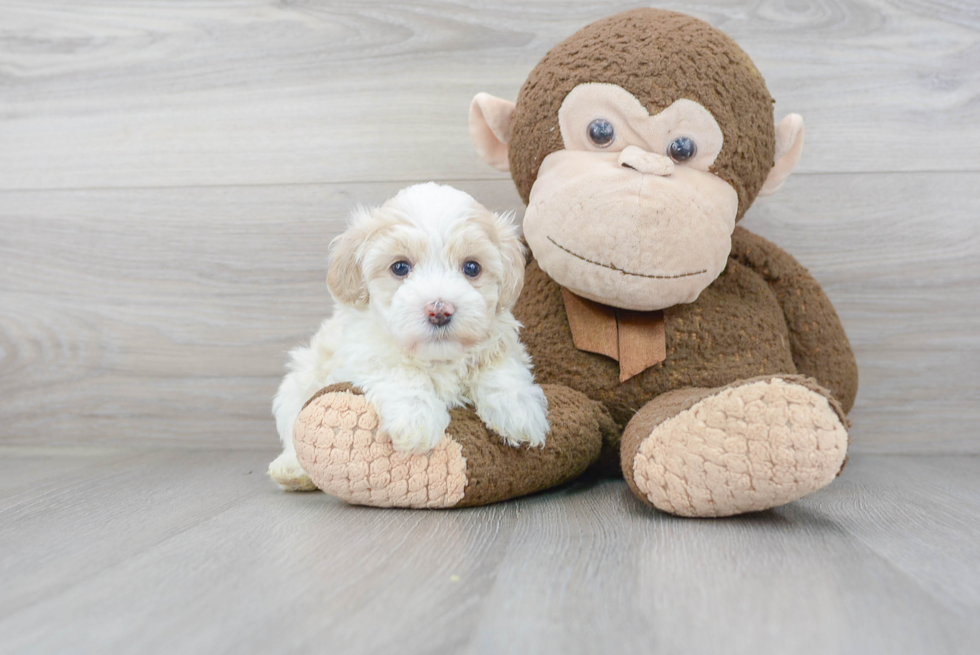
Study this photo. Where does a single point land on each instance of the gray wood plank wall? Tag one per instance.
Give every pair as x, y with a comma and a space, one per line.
171, 173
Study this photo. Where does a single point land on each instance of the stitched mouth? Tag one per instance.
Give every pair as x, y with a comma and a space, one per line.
613, 267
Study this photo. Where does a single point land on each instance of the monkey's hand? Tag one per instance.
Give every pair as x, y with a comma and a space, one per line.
818, 343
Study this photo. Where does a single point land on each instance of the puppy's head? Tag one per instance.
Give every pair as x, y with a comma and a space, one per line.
433, 265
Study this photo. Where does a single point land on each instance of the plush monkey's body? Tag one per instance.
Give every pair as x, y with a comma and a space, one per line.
764, 317
737, 329
698, 359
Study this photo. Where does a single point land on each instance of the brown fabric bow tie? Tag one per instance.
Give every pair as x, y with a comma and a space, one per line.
637, 340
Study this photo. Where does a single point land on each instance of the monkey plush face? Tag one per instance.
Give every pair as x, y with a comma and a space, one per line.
637, 144
628, 213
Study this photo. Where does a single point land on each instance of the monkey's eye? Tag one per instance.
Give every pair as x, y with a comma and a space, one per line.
471, 269
681, 149
401, 268
602, 133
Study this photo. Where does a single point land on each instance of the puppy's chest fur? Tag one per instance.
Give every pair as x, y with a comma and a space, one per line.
351, 347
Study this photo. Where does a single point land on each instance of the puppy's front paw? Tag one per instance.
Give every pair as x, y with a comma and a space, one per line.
520, 416
414, 425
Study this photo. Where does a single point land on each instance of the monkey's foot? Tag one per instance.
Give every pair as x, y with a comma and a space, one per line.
340, 446
753, 445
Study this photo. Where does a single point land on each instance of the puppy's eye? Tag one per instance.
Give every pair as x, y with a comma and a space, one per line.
601, 132
471, 269
681, 149
401, 268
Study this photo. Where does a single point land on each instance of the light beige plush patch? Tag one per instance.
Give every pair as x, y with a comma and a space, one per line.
339, 445
621, 238
789, 148
748, 448
635, 127
490, 121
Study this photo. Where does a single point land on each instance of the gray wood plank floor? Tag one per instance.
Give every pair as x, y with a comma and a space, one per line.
180, 551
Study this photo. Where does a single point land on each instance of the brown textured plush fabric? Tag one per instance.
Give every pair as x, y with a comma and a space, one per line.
817, 340
495, 471
659, 56
735, 330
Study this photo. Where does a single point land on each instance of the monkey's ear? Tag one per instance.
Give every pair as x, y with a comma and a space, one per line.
490, 121
789, 147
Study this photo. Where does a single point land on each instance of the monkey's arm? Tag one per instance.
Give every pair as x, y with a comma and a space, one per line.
819, 345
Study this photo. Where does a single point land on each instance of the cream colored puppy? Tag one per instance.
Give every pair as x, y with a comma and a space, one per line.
423, 289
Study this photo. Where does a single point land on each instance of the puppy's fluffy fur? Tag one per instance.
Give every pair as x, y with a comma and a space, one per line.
384, 338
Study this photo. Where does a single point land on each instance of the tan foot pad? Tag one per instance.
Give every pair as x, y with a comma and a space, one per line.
338, 443
747, 448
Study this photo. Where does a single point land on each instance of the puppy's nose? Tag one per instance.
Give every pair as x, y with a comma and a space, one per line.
439, 312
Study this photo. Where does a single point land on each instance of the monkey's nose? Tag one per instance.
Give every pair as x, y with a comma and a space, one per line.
439, 312
648, 163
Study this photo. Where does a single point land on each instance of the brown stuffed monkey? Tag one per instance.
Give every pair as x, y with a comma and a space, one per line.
700, 360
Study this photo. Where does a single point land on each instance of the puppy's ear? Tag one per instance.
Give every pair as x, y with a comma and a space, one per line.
344, 277
513, 254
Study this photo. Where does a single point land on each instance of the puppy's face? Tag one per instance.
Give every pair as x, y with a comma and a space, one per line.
434, 267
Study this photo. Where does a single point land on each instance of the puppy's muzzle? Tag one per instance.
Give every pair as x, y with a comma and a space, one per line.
439, 313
